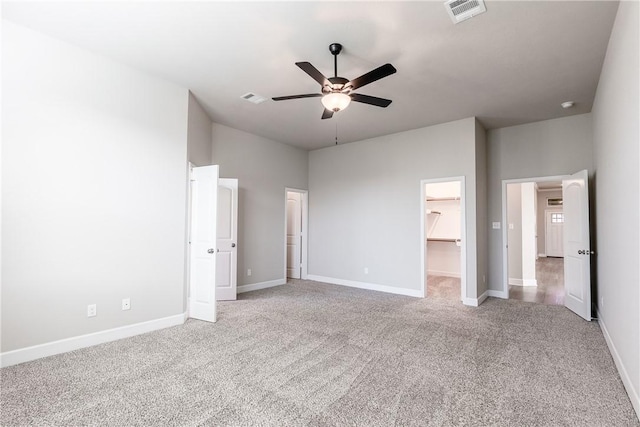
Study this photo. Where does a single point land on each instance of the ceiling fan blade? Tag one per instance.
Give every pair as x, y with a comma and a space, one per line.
371, 100
313, 72
373, 75
327, 114
306, 95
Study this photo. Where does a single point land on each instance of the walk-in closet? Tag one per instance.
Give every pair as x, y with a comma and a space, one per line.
443, 225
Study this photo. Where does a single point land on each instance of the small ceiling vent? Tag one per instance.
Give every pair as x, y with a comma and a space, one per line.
253, 98
461, 10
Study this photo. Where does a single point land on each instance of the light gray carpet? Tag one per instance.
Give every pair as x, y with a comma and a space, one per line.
322, 355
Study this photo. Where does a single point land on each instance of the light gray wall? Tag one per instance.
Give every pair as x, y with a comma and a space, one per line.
364, 202
514, 236
541, 215
548, 148
198, 134
263, 168
93, 189
481, 208
616, 140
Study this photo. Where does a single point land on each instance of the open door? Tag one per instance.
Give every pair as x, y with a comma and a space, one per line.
204, 202
577, 253
227, 255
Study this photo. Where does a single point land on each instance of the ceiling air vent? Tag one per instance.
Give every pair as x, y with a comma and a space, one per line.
253, 98
461, 10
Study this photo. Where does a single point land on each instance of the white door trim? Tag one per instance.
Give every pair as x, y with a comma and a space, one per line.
187, 242
505, 259
463, 235
304, 203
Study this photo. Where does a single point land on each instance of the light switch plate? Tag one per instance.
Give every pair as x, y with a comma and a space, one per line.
496, 226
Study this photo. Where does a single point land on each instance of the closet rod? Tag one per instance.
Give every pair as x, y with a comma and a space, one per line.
429, 211
436, 239
441, 199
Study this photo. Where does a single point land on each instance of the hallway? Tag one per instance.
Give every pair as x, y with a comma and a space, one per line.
550, 289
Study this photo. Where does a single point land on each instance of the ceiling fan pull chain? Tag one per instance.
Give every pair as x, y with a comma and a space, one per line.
336, 132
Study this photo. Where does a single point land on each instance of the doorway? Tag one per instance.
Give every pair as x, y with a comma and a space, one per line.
576, 240
534, 231
443, 238
295, 233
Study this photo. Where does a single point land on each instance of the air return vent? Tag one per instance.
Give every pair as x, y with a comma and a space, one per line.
252, 97
461, 10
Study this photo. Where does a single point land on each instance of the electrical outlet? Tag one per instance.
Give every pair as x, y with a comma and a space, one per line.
511, 227
248, 272
126, 304
91, 310
366, 270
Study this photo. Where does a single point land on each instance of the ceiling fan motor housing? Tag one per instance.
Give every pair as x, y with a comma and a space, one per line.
337, 85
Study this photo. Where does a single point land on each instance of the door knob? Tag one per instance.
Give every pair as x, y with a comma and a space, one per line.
233, 245
210, 251
580, 252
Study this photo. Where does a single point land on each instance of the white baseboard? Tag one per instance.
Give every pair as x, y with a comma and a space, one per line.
475, 302
624, 375
498, 294
443, 273
261, 285
520, 282
542, 255
74, 343
368, 286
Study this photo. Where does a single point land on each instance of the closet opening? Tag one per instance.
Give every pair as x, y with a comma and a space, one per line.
443, 234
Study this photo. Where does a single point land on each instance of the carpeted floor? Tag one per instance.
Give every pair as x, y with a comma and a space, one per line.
314, 354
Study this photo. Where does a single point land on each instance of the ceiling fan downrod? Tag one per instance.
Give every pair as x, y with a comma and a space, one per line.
335, 49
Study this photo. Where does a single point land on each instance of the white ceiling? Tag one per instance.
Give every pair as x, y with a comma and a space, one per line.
513, 64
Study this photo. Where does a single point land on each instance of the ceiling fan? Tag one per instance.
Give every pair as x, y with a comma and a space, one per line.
337, 92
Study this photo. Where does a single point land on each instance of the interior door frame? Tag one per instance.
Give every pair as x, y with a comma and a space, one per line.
505, 252
304, 204
463, 234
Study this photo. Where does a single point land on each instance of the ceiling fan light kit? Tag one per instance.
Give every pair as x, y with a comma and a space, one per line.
336, 101
337, 92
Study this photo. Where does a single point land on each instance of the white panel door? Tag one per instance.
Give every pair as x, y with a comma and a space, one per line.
554, 234
204, 202
294, 231
577, 253
227, 255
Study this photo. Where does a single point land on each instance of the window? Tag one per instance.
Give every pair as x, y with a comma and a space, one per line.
557, 217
